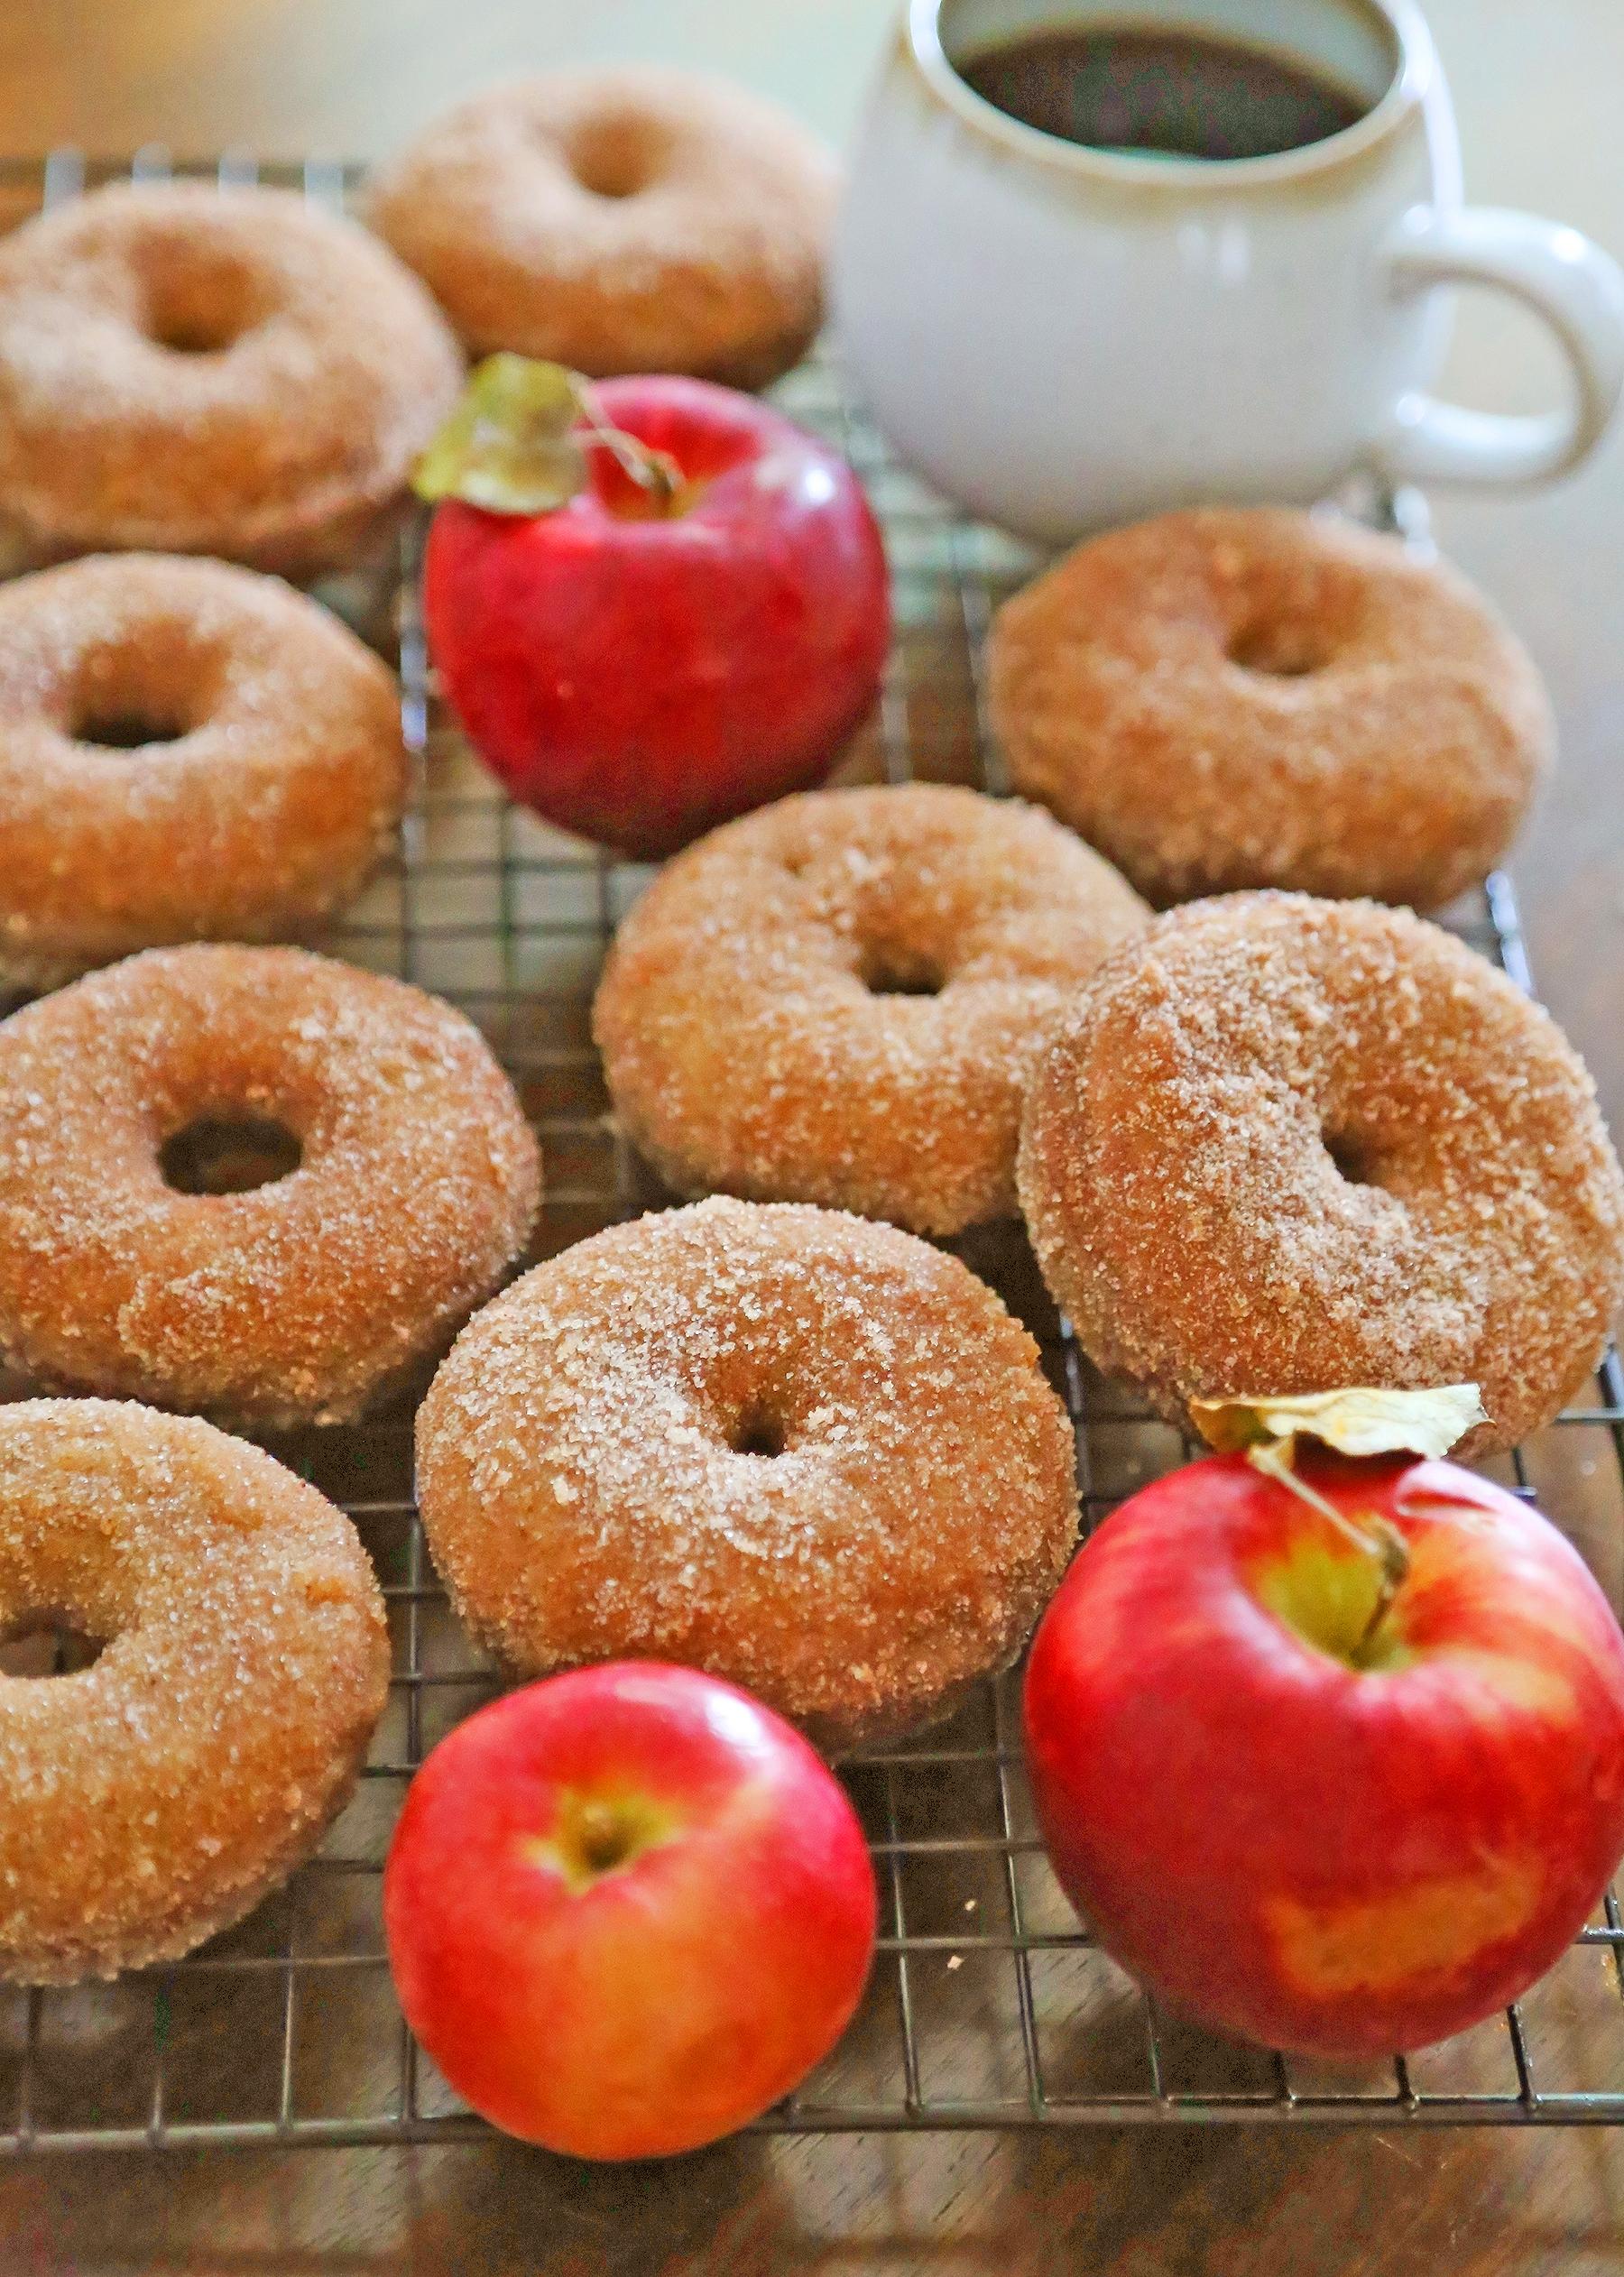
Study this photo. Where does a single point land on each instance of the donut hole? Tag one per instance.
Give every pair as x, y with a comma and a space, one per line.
757, 1433
221, 1155
614, 157
48, 1643
200, 305
184, 337
1279, 648
1355, 1161
892, 971
123, 730
152, 682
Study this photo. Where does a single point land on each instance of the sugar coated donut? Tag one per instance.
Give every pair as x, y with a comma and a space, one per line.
836, 999
1259, 697
810, 1454
186, 752
153, 1797
189, 370
624, 220
1286, 1145
249, 1182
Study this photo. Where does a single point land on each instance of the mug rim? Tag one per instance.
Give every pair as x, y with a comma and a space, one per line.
1406, 91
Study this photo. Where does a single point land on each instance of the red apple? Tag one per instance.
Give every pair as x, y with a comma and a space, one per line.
1340, 1847
627, 1909
640, 676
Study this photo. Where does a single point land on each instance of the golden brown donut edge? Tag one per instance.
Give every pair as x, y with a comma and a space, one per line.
1286, 1145
153, 1799
302, 1299
269, 796
1234, 698
810, 1453
836, 999
632, 219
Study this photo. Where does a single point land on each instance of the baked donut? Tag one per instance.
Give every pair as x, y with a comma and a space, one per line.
192, 370
1257, 697
153, 1797
812, 1455
1285, 1146
253, 1183
836, 999
623, 220
186, 751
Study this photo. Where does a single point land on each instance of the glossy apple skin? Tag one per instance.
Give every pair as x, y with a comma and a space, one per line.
1319, 1857
674, 1998
640, 680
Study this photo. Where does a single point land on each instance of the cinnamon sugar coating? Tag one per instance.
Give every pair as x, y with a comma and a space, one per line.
747, 1037
192, 370
1252, 697
589, 1491
1285, 1146
633, 219
271, 795
295, 1301
154, 1798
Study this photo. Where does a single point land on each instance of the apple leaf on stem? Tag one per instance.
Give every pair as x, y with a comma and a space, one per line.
511, 443
1360, 1421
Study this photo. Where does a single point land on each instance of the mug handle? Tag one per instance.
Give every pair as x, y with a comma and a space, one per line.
1563, 277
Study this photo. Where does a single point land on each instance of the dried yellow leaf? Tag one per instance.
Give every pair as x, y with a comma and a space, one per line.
1360, 1421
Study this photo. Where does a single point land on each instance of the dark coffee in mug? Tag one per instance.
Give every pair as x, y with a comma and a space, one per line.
1180, 92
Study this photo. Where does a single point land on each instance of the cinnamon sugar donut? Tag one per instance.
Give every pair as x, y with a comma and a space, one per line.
1257, 697
154, 1797
192, 370
186, 752
1282, 1145
624, 220
812, 1455
836, 999
250, 1182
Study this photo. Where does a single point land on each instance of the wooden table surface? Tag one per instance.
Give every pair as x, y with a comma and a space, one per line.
1539, 91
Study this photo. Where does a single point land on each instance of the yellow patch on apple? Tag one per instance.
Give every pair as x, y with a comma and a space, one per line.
1380, 1944
1529, 1687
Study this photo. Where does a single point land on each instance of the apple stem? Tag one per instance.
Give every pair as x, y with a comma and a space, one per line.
1395, 1570
1375, 1538
603, 1837
655, 471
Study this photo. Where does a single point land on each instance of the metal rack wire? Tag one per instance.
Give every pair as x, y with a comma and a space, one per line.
989, 2006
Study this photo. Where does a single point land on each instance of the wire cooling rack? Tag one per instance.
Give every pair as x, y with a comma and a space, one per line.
988, 2005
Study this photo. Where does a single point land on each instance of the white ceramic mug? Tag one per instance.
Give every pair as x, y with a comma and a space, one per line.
1062, 338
